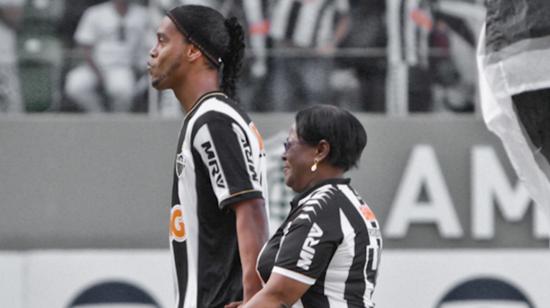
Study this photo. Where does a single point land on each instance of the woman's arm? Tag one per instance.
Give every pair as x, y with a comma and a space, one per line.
279, 292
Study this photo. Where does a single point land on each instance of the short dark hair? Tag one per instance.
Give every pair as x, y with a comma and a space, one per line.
341, 129
220, 40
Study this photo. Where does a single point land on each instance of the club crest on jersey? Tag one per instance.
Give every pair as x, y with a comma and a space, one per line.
180, 164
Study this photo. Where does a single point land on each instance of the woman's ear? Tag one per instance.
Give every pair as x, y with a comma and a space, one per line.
323, 150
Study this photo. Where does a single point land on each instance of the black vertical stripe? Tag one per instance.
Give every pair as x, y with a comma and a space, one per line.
355, 283
182, 271
293, 19
318, 20
175, 195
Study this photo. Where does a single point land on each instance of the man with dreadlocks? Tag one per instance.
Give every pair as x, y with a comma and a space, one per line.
218, 220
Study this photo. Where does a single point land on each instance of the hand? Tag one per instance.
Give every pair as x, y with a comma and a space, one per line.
327, 50
259, 68
234, 305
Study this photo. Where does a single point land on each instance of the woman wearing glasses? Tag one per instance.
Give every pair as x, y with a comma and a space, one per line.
327, 251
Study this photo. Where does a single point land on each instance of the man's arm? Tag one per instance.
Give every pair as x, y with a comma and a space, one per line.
341, 30
252, 233
87, 51
11, 16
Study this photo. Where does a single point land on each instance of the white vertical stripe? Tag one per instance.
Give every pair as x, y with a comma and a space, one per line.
279, 20
339, 266
369, 287
203, 135
325, 34
305, 25
188, 199
174, 272
410, 32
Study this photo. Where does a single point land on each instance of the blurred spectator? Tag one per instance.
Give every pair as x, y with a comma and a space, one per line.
11, 12
420, 32
111, 36
252, 14
72, 13
311, 30
366, 58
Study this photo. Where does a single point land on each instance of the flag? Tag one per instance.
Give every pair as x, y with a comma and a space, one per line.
513, 58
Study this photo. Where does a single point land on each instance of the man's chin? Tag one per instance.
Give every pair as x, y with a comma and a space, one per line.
157, 85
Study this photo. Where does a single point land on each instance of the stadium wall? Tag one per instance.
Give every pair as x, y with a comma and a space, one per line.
85, 200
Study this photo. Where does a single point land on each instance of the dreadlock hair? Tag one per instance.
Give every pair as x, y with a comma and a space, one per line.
220, 40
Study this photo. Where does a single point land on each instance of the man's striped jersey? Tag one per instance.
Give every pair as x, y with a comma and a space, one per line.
330, 241
306, 23
220, 161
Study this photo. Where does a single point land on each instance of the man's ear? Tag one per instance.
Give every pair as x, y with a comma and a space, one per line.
193, 53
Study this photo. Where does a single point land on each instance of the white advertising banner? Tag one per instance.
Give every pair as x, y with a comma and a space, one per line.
464, 279
101, 278
507, 278
11, 280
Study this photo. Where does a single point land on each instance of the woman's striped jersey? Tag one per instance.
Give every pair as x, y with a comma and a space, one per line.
331, 241
220, 160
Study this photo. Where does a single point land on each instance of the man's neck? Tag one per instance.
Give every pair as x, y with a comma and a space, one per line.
196, 86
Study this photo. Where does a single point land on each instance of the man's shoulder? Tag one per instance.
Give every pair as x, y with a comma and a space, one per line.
221, 106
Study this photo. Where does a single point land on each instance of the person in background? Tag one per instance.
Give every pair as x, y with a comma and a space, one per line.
327, 251
111, 37
219, 199
308, 33
11, 12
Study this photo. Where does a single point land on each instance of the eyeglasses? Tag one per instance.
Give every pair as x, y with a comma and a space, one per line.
288, 144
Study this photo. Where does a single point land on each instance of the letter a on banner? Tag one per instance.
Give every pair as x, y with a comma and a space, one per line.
423, 172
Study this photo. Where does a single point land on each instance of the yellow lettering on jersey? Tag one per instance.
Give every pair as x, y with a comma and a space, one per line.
177, 225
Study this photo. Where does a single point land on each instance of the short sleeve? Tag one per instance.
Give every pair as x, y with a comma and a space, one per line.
307, 248
226, 151
86, 31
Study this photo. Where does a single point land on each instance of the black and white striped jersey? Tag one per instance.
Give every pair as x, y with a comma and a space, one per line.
306, 23
331, 241
220, 160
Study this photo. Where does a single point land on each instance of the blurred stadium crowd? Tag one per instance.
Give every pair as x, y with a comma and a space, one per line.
384, 56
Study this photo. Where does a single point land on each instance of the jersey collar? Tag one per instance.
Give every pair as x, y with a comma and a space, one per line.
300, 196
203, 98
